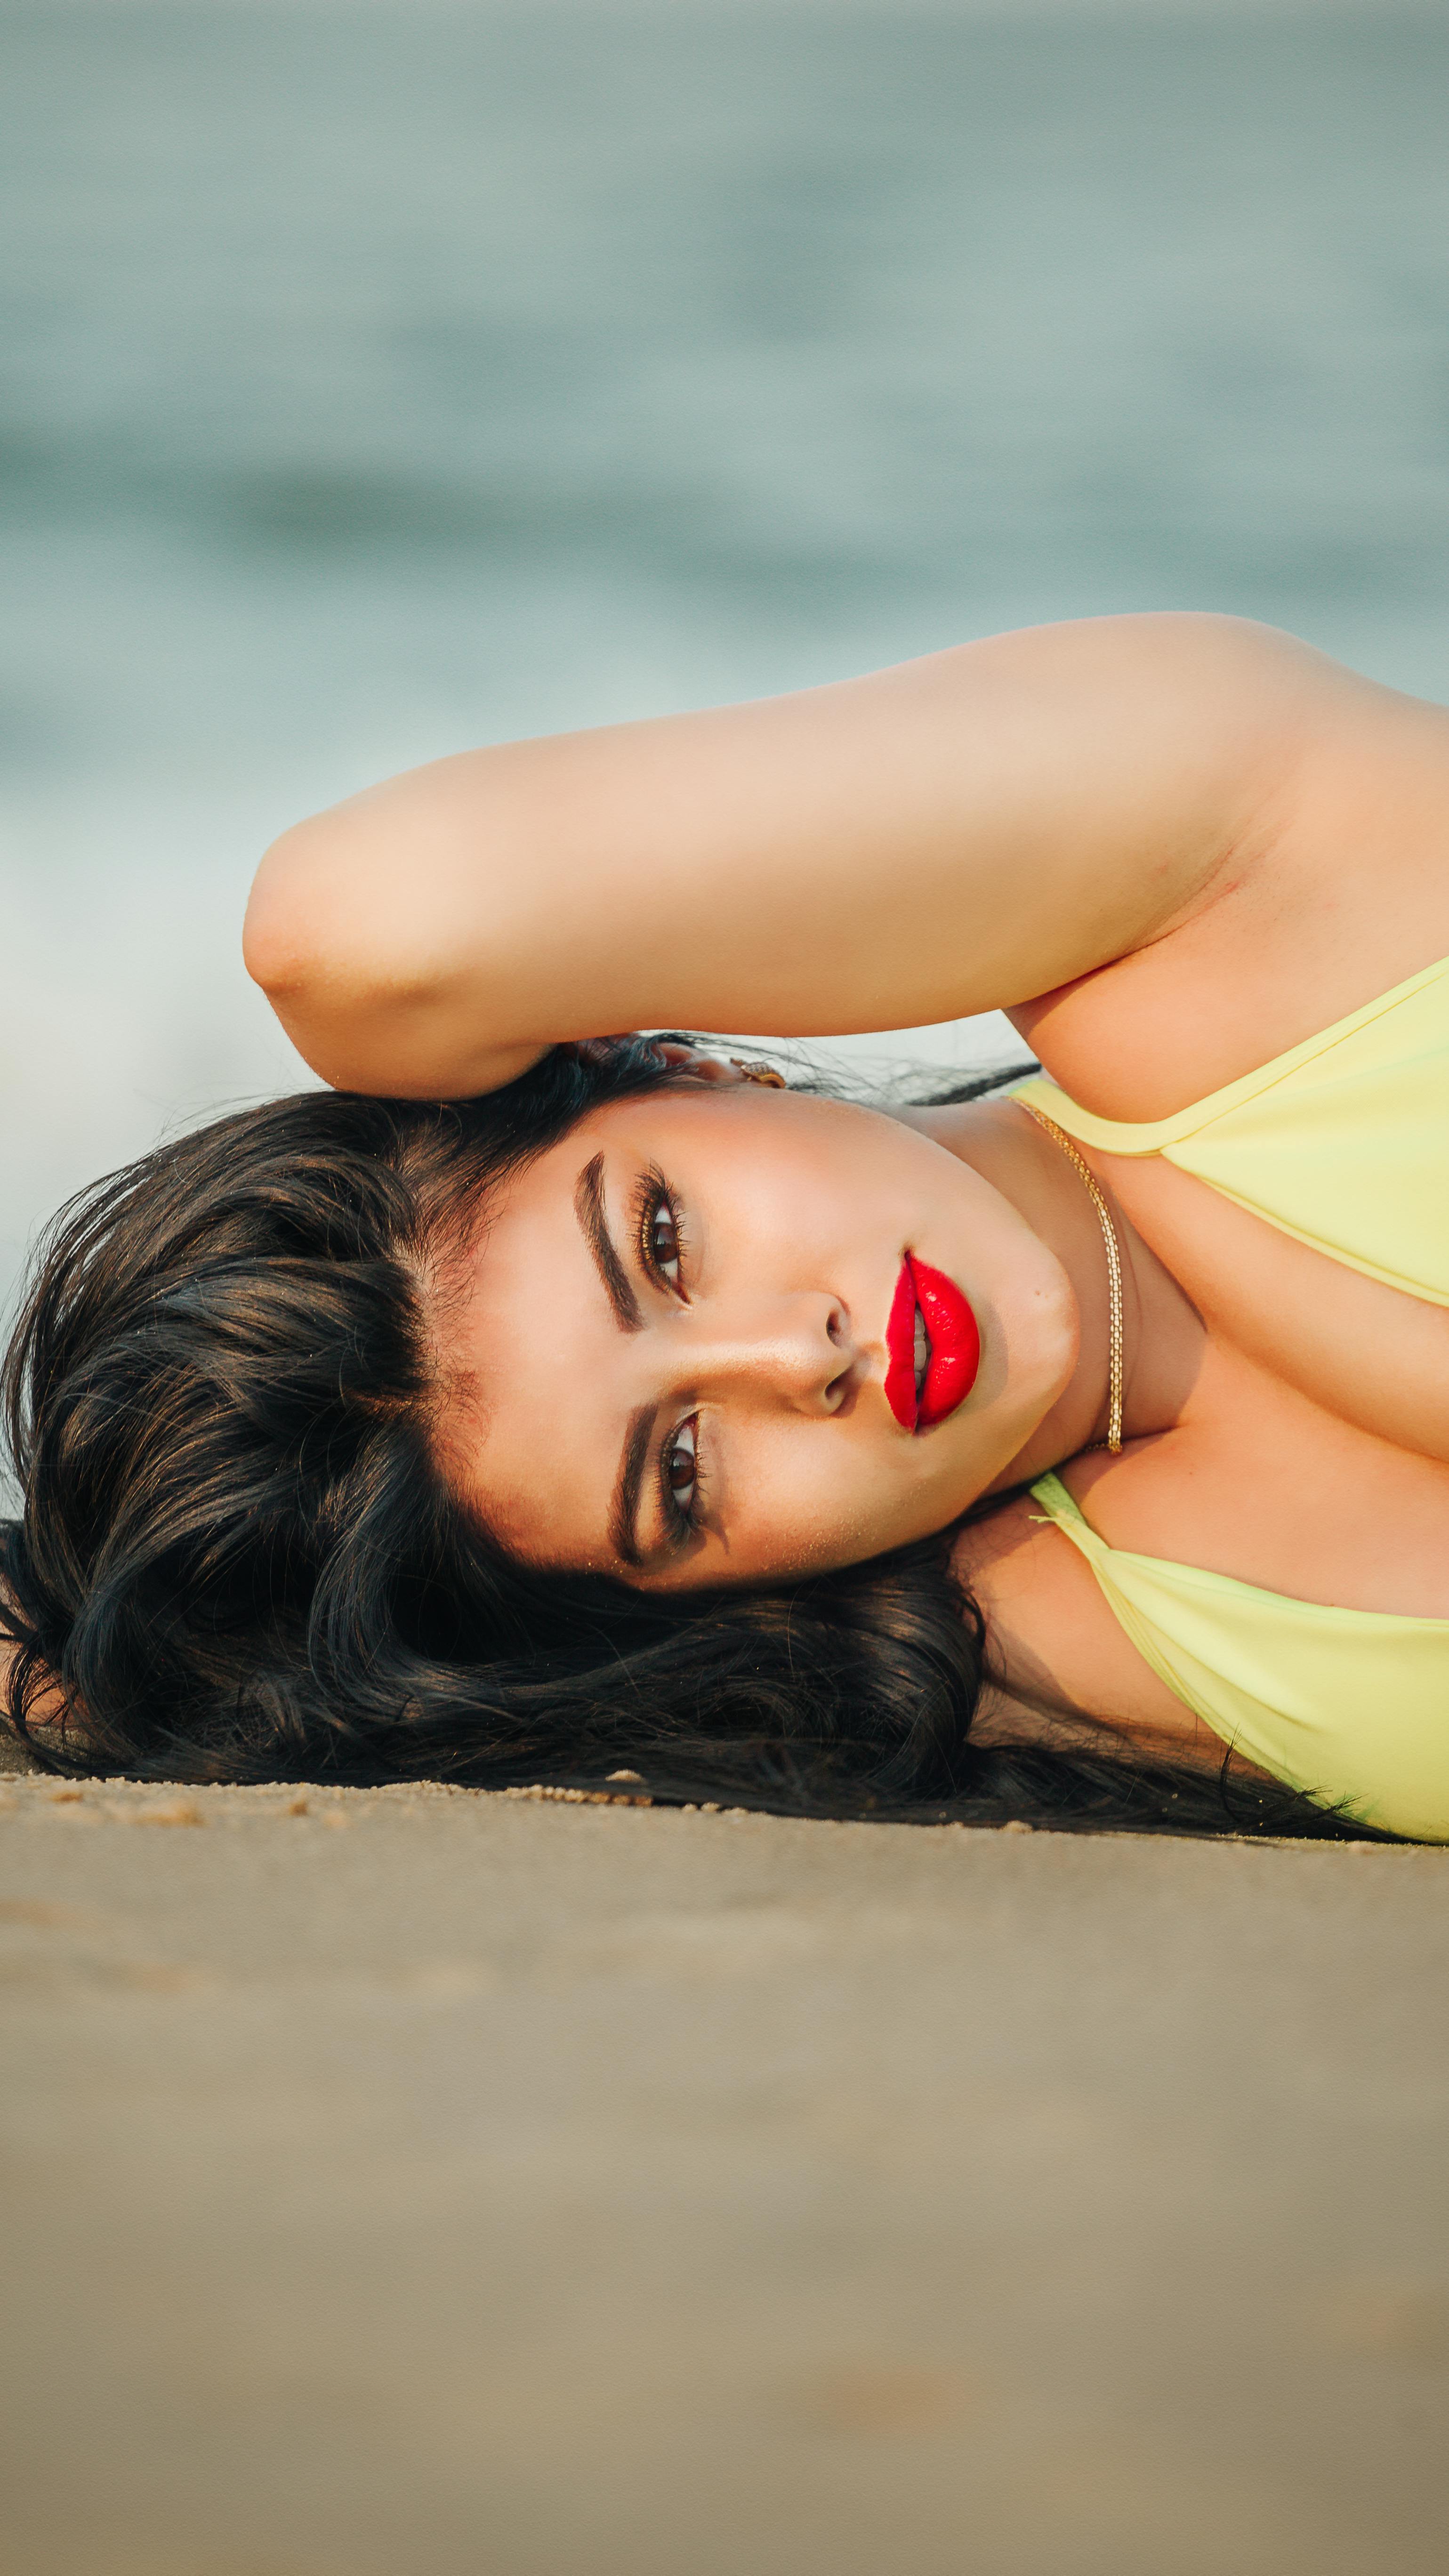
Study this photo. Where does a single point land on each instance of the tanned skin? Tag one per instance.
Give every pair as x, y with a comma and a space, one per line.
1170, 847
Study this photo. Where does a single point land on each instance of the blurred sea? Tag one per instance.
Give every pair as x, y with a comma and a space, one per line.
384, 378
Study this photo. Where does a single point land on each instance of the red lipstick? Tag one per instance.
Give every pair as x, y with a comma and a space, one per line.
933, 1346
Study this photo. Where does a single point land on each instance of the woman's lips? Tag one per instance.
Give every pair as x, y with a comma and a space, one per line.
953, 1341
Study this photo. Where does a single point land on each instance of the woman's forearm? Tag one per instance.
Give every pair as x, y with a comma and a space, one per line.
949, 836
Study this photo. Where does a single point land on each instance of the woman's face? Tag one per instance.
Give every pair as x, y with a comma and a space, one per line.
670, 1345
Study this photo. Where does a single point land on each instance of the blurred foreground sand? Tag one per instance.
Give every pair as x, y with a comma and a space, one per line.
423, 2183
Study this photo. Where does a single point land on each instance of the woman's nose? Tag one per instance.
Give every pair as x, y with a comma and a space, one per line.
792, 1350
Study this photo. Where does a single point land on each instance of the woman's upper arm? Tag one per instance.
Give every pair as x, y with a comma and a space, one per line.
953, 835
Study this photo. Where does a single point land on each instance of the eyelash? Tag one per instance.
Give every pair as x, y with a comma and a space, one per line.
652, 1196
681, 1518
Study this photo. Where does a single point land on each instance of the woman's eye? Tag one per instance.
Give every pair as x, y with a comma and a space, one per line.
657, 1233
680, 1467
664, 1244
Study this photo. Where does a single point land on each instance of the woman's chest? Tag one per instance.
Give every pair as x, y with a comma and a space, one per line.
1366, 1355
1311, 1453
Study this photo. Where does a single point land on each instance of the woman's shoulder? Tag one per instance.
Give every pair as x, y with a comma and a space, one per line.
1055, 1652
1338, 895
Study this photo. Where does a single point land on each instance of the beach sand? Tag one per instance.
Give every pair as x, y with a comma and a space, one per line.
417, 2182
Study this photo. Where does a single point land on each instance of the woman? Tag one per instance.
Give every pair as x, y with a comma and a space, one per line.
543, 1406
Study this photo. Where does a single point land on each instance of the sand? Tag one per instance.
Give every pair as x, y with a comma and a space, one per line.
424, 2183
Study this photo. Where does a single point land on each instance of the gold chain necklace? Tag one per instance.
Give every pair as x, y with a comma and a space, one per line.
1113, 1440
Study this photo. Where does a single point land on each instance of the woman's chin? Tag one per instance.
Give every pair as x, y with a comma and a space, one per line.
1022, 1428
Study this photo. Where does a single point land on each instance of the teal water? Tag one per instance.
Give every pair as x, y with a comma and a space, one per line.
381, 378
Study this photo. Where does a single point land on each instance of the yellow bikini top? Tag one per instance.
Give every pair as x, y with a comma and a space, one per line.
1344, 1143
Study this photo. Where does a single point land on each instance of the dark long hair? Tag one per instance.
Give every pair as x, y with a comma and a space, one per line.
238, 1559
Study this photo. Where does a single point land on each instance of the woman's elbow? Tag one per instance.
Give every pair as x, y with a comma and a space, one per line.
284, 942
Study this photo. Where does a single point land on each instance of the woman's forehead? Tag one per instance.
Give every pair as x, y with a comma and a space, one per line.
532, 1348
521, 1264
527, 1363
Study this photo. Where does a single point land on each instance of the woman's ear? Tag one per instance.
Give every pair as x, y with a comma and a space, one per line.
700, 1067
689, 1059
682, 1055
679, 1053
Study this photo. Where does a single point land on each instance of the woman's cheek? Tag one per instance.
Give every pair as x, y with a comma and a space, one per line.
833, 1519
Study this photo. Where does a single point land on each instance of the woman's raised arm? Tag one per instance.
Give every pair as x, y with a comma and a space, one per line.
956, 834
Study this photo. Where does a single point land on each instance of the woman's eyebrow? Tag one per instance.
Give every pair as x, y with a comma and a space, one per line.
593, 1224
624, 1510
